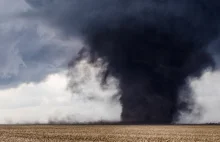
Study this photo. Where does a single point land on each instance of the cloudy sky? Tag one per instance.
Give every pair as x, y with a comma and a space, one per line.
33, 80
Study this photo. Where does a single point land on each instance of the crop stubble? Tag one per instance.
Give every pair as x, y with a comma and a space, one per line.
109, 133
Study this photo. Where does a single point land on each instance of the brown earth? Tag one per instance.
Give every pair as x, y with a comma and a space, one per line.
110, 133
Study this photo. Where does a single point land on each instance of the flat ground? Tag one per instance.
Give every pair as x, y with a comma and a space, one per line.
109, 133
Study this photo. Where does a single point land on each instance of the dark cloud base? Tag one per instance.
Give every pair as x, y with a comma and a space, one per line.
151, 47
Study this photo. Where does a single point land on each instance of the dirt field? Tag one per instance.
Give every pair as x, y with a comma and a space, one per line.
56, 133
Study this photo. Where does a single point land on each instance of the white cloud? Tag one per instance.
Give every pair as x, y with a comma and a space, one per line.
33, 85
206, 92
49, 100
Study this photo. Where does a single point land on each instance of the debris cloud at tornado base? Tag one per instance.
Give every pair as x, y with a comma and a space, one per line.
151, 47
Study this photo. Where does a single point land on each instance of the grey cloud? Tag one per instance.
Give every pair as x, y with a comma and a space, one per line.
75, 15
194, 21
30, 51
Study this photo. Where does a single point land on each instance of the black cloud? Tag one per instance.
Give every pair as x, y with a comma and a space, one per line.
150, 46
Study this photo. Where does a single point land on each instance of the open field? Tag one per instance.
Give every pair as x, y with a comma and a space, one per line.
109, 133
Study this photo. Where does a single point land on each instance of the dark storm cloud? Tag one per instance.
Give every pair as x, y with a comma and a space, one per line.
29, 53
150, 46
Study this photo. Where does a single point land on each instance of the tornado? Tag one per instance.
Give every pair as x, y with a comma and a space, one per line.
152, 47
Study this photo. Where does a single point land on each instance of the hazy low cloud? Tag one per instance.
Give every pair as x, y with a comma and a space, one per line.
49, 101
206, 93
